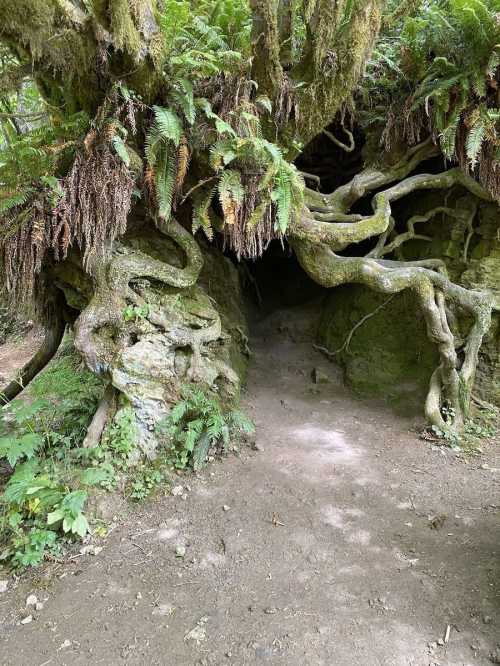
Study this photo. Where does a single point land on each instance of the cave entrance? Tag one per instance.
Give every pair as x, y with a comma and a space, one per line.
276, 281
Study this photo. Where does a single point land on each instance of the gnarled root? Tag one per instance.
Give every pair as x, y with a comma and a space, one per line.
149, 328
451, 383
328, 226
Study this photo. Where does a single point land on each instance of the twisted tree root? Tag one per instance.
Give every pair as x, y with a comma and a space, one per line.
451, 382
113, 288
327, 226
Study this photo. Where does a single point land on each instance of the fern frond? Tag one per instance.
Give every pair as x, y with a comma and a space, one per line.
201, 215
230, 194
165, 172
475, 140
10, 201
120, 149
168, 124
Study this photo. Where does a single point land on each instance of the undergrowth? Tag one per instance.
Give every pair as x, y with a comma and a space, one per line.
46, 476
197, 424
481, 426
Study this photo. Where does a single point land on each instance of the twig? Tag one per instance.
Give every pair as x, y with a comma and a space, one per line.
340, 144
202, 182
348, 339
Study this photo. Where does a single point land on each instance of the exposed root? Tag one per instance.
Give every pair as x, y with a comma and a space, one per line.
101, 418
53, 336
105, 311
327, 226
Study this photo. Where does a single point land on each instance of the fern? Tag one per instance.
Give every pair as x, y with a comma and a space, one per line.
183, 96
475, 140
196, 423
120, 149
230, 194
201, 215
162, 141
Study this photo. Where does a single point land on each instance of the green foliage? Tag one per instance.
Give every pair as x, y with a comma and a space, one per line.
31, 161
162, 141
120, 438
145, 481
481, 425
136, 312
204, 39
197, 423
440, 65
43, 500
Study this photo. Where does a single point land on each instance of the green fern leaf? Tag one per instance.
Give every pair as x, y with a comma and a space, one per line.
121, 149
168, 124
475, 140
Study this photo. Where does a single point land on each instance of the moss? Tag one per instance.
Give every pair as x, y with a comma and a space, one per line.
126, 35
220, 280
389, 355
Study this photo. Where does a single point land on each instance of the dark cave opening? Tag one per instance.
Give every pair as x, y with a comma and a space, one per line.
277, 281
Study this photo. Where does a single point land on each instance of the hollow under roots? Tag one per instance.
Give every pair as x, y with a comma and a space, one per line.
327, 226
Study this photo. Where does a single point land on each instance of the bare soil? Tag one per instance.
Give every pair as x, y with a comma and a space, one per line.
15, 353
344, 540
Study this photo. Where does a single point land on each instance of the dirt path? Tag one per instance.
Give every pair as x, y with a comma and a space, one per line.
15, 353
315, 551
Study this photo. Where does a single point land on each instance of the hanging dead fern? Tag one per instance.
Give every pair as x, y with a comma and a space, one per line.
95, 204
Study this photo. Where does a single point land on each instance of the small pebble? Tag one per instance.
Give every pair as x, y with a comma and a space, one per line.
226, 507
27, 619
180, 551
31, 600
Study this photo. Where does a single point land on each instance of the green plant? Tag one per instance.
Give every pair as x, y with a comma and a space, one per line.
136, 312
196, 423
437, 71
144, 482
119, 439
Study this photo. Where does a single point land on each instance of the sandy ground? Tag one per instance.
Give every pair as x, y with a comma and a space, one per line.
316, 550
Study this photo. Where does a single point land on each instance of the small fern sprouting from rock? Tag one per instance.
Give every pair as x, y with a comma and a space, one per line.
197, 423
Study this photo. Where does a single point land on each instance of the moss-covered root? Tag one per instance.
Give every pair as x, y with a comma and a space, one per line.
100, 326
452, 382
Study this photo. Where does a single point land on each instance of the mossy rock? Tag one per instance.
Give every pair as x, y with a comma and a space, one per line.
389, 355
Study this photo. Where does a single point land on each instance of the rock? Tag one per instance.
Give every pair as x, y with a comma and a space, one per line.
4, 584
198, 633
495, 657
65, 644
226, 507
177, 490
319, 377
163, 610
31, 600
180, 551
39, 606
90, 550
27, 619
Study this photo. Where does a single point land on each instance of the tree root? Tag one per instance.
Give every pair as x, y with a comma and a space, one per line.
53, 335
102, 416
105, 311
328, 226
